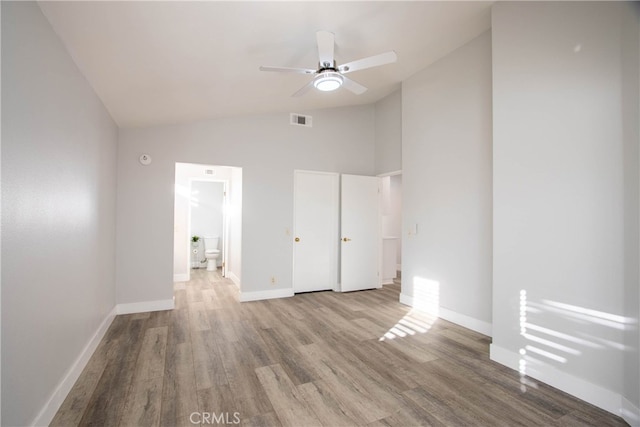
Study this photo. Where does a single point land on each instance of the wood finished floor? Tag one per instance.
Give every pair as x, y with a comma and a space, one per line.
315, 359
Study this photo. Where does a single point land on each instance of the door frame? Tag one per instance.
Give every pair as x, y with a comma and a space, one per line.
185, 173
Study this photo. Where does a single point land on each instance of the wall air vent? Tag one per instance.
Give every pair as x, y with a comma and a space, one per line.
209, 172
300, 120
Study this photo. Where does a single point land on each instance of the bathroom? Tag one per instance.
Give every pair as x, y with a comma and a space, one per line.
207, 224
208, 204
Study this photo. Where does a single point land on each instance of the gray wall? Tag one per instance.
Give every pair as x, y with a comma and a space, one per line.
268, 149
562, 191
631, 136
446, 178
58, 212
388, 133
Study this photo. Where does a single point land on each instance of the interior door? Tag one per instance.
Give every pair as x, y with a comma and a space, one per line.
359, 221
315, 248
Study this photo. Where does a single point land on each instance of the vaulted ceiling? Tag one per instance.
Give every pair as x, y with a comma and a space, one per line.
156, 63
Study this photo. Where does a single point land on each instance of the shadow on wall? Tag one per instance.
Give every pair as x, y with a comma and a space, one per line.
546, 346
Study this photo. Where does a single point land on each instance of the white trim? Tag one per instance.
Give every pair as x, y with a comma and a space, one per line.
630, 412
181, 277
145, 306
387, 281
394, 173
575, 386
398, 267
406, 299
46, 414
235, 279
468, 322
271, 294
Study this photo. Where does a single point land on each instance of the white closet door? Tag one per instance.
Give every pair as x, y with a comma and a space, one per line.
359, 222
315, 247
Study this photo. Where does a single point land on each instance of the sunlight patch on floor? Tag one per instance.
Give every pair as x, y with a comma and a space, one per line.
426, 304
414, 322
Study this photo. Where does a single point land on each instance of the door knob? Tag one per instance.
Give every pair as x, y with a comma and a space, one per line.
346, 239
297, 239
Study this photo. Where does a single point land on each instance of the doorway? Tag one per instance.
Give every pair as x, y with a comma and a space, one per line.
208, 224
391, 226
208, 204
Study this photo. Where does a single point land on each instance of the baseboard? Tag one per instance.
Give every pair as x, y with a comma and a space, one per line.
235, 279
184, 277
145, 306
468, 322
46, 414
406, 299
398, 267
270, 294
387, 281
575, 386
630, 412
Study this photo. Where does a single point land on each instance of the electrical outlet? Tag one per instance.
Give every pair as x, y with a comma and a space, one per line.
273, 280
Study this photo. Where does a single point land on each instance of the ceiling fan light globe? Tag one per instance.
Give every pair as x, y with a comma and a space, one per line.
328, 82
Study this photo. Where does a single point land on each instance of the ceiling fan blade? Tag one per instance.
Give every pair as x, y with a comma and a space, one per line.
304, 89
288, 70
371, 61
354, 87
326, 44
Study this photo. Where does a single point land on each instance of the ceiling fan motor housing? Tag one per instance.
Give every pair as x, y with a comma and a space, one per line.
328, 80
322, 66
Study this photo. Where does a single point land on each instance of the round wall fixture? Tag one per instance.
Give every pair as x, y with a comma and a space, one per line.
145, 159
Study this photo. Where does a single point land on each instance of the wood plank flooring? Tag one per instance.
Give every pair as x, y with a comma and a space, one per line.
317, 359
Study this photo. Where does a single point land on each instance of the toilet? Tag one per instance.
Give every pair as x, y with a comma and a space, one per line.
211, 252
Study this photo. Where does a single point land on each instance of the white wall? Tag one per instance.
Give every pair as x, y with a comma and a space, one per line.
388, 158
388, 133
268, 149
234, 207
0, 229
58, 213
391, 211
395, 214
631, 135
559, 194
446, 171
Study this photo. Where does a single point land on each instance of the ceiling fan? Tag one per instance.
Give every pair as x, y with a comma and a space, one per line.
330, 76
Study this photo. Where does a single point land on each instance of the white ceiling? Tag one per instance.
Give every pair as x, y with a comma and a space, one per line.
157, 63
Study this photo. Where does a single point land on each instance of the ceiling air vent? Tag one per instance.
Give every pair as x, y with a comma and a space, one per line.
300, 120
